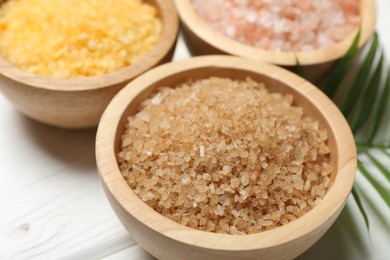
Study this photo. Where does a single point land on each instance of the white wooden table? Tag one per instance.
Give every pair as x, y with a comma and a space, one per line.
52, 205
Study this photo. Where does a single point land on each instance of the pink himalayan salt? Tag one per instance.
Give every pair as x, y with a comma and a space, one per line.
282, 25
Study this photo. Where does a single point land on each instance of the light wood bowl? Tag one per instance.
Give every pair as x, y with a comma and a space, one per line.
201, 39
79, 102
166, 239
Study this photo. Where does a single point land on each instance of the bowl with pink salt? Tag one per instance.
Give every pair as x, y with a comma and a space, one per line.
61, 62
315, 33
221, 157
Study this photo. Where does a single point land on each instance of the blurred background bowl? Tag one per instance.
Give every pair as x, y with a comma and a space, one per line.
201, 39
166, 239
79, 102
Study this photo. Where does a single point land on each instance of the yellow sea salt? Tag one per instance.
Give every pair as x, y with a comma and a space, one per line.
76, 38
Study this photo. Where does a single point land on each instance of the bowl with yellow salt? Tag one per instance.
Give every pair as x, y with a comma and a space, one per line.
61, 62
313, 33
221, 157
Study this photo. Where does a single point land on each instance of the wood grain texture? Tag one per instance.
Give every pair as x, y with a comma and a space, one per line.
79, 103
51, 201
166, 239
202, 40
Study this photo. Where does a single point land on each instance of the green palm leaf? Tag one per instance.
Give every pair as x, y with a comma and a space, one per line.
381, 109
379, 166
385, 152
376, 184
360, 80
360, 206
298, 68
368, 99
365, 106
334, 78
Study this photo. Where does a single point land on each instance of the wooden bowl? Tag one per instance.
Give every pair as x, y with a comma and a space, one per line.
202, 40
166, 239
79, 102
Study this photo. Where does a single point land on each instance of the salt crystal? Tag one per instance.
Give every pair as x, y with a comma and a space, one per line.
307, 185
265, 19
251, 16
224, 129
200, 197
201, 151
222, 199
149, 196
281, 26
212, 187
206, 176
156, 99
326, 182
230, 31
234, 231
244, 194
210, 226
245, 179
264, 165
219, 210
185, 179
128, 155
226, 169
184, 221
235, 213
144, 116
326, 169
234, 182
220, 146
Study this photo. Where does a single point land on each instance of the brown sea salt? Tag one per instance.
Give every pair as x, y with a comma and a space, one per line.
225, 156
282, 25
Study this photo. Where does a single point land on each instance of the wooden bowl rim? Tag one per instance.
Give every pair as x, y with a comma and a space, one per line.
170, 27
202, 30
112, 179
